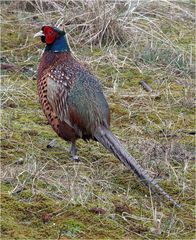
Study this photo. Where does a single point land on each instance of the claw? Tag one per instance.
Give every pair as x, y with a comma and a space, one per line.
75, 158
51, 144
73, 151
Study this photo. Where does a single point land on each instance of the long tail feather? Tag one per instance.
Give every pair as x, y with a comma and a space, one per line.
110, 142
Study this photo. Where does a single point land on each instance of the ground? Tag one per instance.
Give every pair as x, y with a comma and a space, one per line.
45, 195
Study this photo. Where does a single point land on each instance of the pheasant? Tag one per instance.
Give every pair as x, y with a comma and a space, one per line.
74, 104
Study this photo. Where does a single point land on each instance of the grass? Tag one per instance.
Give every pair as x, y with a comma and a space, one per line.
44, 195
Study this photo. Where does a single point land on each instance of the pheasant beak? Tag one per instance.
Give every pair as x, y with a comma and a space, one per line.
39, 34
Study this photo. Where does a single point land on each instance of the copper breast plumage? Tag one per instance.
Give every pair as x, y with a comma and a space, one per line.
50, 68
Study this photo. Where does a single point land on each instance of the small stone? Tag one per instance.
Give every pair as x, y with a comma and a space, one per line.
97, 210
120, 208
46, 217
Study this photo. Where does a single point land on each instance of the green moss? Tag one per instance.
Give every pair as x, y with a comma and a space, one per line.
71, 228
23, 219
90, 225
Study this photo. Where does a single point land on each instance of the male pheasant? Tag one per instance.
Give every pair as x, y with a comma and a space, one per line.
74, 104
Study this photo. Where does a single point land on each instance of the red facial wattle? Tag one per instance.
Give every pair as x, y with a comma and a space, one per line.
50, 34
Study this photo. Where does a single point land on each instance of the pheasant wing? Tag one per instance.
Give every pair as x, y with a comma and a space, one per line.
78, 100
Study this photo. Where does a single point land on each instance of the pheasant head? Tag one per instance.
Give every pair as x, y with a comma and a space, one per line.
54, 38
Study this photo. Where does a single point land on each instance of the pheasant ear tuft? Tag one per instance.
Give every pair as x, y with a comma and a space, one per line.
61, 32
